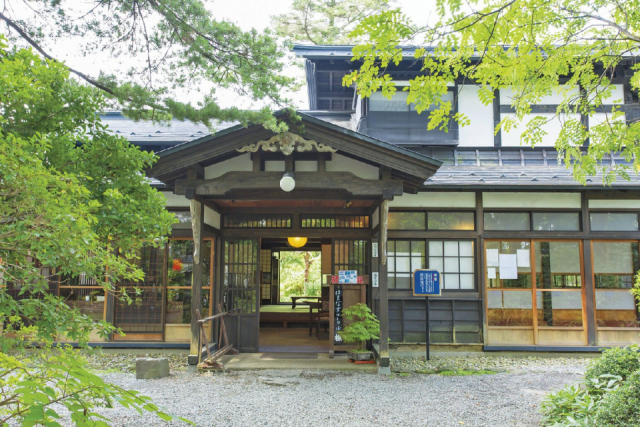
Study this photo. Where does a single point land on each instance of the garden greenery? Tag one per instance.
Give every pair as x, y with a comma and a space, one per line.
364, 325
74, 201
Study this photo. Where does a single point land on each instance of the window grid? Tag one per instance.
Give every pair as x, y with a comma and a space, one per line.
456, 262
257, 221
403, 257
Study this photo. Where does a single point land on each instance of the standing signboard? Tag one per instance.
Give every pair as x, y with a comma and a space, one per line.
426, 283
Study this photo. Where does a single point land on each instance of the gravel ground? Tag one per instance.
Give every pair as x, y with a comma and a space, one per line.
321, 398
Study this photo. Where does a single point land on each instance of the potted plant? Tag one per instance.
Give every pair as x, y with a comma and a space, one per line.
363, 326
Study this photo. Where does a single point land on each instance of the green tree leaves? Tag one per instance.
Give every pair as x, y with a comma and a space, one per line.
73, 201
575, 50
170, 47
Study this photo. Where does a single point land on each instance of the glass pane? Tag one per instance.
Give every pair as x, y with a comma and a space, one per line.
614, 221
614, 264
435, 248
451, 221
556, 221
403, 281
180, 263
436, 263
179, 305
451, 265
509, 308
403, 264
466, 248
417, 263
451, 281
559, 308
392, 264
507, 264
451, 248
398, 102
466, 281
558, 265
403, 247
466, 265
418, 247
406, 220
616, 309
506, 221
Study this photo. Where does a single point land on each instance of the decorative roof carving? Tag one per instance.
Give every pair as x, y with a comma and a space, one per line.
287, 143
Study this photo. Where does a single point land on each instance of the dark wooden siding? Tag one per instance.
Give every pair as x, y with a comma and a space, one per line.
453, 321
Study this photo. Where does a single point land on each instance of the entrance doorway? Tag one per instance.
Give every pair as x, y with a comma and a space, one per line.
294, 296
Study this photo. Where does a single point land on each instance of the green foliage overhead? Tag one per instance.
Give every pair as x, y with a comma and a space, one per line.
364, 325
325, 21
574, 48
73, 199
167, 48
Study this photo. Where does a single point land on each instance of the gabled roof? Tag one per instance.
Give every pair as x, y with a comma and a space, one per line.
406, 165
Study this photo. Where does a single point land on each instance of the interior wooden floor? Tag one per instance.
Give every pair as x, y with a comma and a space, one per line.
292, 340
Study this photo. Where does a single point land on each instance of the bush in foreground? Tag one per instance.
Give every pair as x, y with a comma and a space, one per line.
615, 361
621, 407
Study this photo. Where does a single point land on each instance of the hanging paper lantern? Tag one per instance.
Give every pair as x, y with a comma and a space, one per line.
297, 242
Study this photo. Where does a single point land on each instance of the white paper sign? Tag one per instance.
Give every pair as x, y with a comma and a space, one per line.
374, 279
524, 258
347, 276
508, 266
374, 250
492, 257
491, 273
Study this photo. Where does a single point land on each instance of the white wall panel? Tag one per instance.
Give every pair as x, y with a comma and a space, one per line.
531, 200
340, 163
211, 217
435, 200
558, 95
274, 166
241, 163
480, 131
175, 201
553, 128
306, 166
614, 204
617, 95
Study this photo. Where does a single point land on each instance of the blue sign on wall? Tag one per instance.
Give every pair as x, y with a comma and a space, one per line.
426, 283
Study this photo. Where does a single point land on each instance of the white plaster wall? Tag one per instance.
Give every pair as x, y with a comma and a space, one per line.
553, 128
556, 97
306, 166
435, 200
531, 200
614, 204
241, 163
211, 217
341, 163
480, 131
617, 95
175, 201
274, 166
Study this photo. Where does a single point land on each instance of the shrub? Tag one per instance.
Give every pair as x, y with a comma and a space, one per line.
365, 325
621, 407
576, 405
615, 361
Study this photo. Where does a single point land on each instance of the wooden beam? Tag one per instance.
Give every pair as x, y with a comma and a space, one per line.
256, 158
195, 171
232, 181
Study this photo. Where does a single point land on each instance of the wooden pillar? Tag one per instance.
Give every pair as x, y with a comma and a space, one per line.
384, 290
589, 291
197, 221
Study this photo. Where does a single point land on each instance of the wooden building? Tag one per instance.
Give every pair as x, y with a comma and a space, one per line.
531, 259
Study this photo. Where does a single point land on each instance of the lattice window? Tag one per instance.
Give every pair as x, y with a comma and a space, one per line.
335, 221
258, 221
351, 255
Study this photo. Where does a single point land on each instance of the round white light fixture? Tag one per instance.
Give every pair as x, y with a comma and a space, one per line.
297, 242
287, 183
